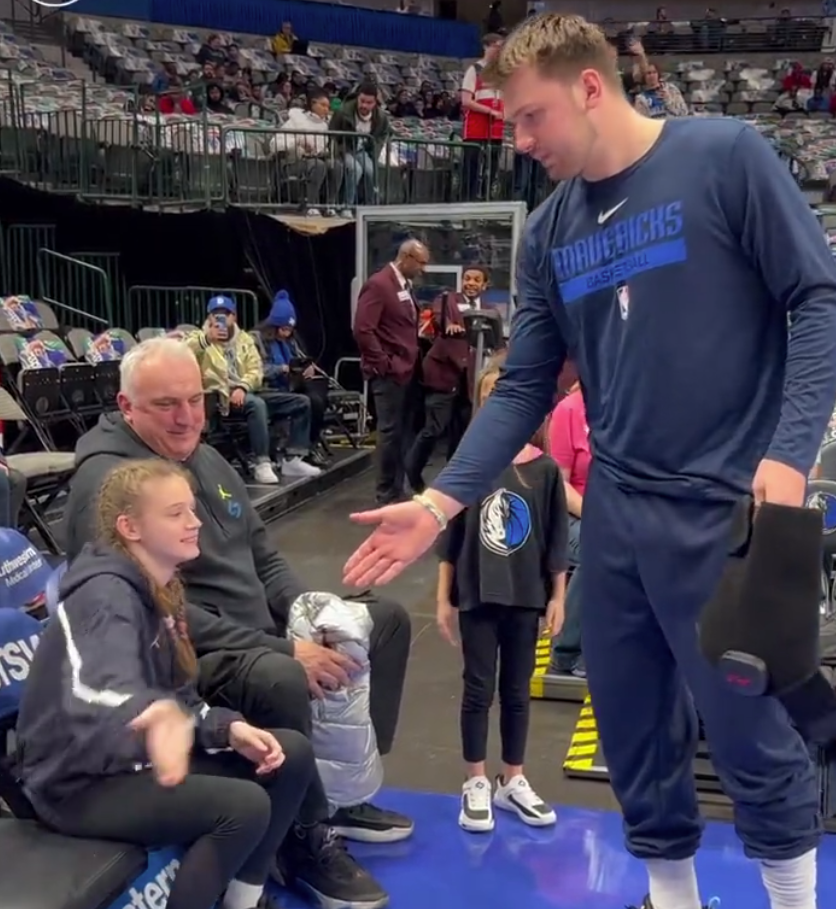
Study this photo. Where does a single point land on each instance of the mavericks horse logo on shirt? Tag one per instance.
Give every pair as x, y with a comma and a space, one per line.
504, 522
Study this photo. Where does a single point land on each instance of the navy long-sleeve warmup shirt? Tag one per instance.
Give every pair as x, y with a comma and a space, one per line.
670, 285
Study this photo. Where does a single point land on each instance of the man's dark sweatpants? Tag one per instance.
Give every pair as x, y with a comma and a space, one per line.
649, 564
274, 687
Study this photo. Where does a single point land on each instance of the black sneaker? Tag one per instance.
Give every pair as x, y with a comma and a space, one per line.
367, 823
573, 666
314, 862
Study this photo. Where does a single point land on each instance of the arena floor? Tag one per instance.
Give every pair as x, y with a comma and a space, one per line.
581, 863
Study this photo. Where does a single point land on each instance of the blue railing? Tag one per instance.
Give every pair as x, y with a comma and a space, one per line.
324, 22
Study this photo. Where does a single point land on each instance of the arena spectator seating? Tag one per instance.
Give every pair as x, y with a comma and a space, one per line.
104, 140
58, 380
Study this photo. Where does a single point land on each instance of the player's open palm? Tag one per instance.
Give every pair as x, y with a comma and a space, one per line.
403, 533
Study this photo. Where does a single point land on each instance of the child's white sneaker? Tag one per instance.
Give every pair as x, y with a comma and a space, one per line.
516, 795
476, 813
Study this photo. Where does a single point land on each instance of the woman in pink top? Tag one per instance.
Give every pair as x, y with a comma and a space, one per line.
568, 442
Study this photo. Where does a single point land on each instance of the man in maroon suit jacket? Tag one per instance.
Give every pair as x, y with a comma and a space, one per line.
447, 374
386, 331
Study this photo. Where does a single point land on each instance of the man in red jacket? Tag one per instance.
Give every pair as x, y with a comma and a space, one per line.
483, 127
386, 331
175, 100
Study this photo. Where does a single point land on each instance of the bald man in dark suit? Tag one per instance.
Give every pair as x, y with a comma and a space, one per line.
386, 330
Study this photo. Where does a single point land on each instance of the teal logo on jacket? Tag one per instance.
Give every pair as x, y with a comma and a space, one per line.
233, 506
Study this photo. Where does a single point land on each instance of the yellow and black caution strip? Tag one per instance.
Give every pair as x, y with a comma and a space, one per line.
585, 759
547, 686
541, 665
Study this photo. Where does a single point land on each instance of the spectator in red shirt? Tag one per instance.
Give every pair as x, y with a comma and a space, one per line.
569, 446
175, 101
796, 79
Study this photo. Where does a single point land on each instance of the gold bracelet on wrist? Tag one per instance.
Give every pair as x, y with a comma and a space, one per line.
426, 502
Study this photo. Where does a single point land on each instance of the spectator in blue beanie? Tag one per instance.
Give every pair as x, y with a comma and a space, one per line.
286, 366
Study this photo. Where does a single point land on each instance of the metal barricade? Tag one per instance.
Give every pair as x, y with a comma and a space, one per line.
75, 288
279, 168
417, 171
167, 307
53, 154
274, 168
96, 149
19, 245
111, 264
9, 111
185, 164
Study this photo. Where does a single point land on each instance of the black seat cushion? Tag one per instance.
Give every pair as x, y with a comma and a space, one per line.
42, 870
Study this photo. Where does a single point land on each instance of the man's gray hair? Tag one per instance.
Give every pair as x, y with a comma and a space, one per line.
161, 349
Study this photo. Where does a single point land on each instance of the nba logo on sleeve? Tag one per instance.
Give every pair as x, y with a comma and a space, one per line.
623, 295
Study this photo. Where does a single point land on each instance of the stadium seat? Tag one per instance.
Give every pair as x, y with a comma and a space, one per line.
22, 315
103, 351
52, 387
47, 475
145, 334
42, 870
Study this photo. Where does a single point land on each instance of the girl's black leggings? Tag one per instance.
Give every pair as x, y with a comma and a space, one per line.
230, 822
507, 635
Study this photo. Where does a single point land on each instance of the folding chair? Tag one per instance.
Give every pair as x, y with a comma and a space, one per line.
76, 380
345, 408
145, 334
228, 435
47, 473
23, 315
103, 352
49, 321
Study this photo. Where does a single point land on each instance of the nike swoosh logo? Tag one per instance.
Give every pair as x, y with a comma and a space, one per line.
606, 215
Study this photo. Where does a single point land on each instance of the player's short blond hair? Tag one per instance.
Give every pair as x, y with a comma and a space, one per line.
556, 46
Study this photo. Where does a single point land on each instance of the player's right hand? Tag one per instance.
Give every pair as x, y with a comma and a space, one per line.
404, 532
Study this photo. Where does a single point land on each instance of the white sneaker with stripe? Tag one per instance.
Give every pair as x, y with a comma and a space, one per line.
518, 797
476, 814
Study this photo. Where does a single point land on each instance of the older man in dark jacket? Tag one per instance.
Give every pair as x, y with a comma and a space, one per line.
239, 592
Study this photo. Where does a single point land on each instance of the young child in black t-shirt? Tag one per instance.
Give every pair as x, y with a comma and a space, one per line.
502, 570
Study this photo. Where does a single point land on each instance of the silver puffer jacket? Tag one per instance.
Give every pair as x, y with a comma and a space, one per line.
344, 741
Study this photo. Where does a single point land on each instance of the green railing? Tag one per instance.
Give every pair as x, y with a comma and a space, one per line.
19, 245
271, 168
96, 150
111, 264
75, 288
167, 307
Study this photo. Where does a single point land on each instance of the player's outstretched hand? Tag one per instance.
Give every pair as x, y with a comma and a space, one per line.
403, 533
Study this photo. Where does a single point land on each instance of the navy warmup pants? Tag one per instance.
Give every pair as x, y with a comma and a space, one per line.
649, 564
